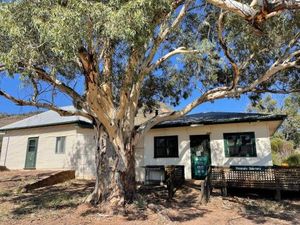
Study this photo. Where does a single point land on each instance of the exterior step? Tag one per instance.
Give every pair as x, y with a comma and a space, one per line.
55, 178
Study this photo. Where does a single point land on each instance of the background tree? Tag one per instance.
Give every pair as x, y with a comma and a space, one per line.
290, 128
285, 141
114, 57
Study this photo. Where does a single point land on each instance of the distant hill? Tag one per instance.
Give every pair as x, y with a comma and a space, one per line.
6, 119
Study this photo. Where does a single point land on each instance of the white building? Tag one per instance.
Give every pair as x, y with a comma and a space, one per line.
49, 141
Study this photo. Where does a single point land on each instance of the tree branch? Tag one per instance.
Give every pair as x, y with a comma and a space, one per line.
274, 91
163, 33
127, 85
180, 50
224, 92
275, 68
258, 11
43, 75
52, 107
146, 62
2, 68
35, 89
95, 92
291, 44
107, 68
236, 70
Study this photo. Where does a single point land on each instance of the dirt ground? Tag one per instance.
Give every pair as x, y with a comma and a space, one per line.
62, 204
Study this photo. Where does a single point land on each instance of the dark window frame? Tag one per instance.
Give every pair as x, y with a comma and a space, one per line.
239, 140
169, 142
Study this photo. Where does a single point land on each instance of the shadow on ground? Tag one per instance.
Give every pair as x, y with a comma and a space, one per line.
251, 205
259, 205
185, 205
66, 195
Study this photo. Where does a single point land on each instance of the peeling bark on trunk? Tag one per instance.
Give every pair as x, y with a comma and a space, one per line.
128, 177
95, 196
115, 179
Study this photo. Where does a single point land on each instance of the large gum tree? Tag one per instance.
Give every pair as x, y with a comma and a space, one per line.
113, 58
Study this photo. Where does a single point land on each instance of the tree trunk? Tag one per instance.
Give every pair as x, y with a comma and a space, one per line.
128, 177
115, 179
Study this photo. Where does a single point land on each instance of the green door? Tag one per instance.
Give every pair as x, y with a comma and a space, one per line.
31, 153
200, 155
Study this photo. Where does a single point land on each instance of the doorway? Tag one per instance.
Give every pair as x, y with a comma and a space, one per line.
200, 155
32, 146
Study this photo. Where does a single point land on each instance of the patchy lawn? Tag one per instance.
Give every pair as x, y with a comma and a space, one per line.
62, 204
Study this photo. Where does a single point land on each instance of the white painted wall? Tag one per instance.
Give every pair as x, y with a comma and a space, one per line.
263, 146
139, 161
82, 158
79, 150
15, 146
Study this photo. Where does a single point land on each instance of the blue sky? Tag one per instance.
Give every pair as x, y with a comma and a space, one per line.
226, 105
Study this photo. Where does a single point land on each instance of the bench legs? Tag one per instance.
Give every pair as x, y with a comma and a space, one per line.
224, 191
278, 195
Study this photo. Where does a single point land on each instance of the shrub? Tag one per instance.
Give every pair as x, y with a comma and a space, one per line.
276, 144
281, 149
293, 160
276, 159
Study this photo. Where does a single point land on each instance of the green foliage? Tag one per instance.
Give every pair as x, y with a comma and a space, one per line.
276, 144
265, 105
281, 149
48, 34
293, 160
291, 126
289, 130
276, 159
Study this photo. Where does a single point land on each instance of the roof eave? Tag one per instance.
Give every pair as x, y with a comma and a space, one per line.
79, 123
273, 118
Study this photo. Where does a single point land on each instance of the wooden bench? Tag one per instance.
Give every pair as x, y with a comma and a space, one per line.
270, 177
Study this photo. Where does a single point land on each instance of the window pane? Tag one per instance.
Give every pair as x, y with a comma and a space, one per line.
31, 145
232, 140
234, 150
166, 146
172, 147
60, 145
246, 139
240, 144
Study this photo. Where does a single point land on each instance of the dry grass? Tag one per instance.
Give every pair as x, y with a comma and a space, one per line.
62, 204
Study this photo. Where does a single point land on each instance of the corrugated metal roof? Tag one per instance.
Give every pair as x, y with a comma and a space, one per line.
219, 118
51, 118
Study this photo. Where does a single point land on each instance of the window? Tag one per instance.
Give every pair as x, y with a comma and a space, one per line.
32, 144
60, 145
165, 147
240, 144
